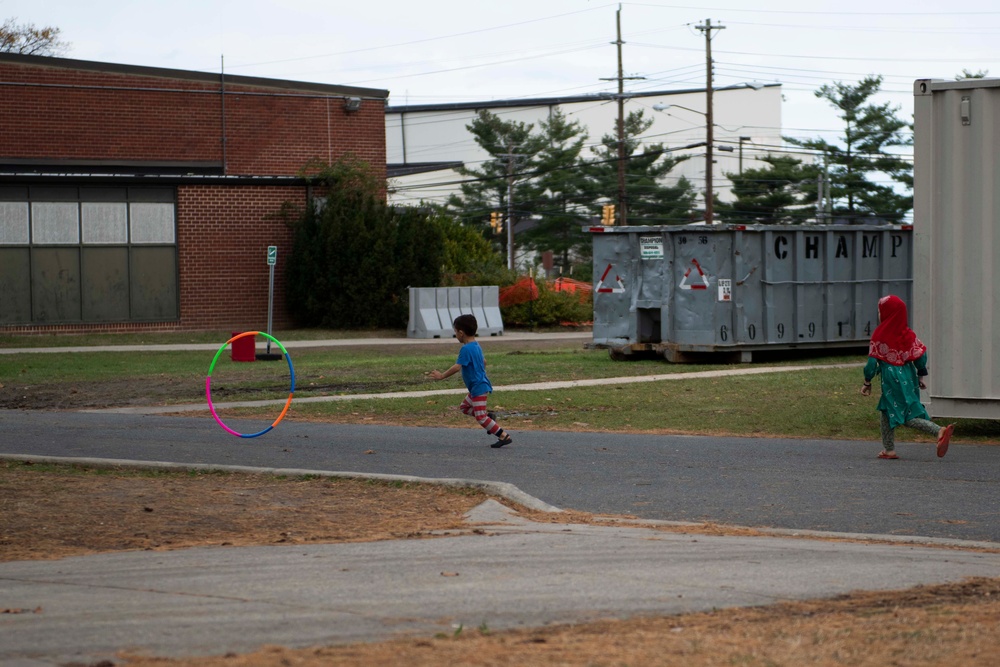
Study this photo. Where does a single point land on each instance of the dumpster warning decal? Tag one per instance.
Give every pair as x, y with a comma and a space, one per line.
609, 290
701, 274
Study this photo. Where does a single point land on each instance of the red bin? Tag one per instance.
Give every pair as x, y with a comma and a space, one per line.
244, 349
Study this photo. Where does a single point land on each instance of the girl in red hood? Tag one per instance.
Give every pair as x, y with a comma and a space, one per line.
900, 359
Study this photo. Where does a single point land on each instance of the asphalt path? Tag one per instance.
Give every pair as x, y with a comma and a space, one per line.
825, 485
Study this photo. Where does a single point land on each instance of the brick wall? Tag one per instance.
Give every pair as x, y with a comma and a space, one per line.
57, 113
53, 113
222, 247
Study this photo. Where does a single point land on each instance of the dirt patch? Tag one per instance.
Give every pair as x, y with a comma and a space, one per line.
934, 625
126, 392
59, 511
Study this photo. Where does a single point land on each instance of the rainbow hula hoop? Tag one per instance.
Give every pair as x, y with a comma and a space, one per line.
208, 384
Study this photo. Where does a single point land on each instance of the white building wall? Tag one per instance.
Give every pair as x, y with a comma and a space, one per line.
440, 134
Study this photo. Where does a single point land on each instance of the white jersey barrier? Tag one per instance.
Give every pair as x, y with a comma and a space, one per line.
433, 309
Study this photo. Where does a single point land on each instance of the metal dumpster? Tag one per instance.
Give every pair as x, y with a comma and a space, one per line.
737, 289
956, 214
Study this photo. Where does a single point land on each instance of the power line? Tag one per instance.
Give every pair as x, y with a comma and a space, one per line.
810, 12
798, 56
427, 39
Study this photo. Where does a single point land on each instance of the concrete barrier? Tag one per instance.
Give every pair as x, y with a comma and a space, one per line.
433, 309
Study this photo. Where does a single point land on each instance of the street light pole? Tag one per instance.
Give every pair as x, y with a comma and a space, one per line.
709, 212
742, 139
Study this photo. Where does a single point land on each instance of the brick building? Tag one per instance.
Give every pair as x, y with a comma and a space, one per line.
138, 198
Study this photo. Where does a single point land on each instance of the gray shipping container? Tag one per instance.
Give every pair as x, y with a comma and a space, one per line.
956, 217
738, 289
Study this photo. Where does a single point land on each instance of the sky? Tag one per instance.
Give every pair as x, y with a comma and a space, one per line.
434, 51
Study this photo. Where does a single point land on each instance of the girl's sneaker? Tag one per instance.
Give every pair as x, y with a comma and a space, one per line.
944, 437
505, 440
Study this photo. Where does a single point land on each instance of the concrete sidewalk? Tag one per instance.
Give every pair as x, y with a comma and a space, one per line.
303, 344
512, 574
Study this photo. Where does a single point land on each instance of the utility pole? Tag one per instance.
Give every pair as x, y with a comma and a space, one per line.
709, 131
511, 156
622, 209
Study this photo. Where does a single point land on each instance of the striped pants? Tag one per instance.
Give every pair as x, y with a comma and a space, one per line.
889, 437
476, 406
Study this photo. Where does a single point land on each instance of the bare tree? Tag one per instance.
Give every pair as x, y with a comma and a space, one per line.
28, 40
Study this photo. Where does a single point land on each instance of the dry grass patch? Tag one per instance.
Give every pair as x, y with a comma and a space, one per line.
953, 625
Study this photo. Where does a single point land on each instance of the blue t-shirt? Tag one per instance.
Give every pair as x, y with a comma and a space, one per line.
473, 364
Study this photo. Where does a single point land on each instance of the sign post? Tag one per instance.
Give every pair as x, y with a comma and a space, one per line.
272, 259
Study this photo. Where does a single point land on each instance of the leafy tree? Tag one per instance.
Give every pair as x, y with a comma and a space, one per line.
512, 147
869, 129
784, 192
353, 257
468, 258
647, 200
28, 40
564, 201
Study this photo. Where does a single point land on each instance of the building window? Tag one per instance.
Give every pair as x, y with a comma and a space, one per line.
54, 223
13, 223
87, 255
104, 222
152, 223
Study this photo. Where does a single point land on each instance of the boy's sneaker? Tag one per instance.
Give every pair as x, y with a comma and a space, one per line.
505, 440
492, 415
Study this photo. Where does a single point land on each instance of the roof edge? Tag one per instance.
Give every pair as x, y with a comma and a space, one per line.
191, 75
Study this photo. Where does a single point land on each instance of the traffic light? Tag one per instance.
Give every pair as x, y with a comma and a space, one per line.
608, 215
496, 224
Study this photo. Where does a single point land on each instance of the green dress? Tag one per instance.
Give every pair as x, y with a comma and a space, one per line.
900, 389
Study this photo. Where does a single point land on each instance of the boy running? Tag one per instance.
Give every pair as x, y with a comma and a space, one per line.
472, 364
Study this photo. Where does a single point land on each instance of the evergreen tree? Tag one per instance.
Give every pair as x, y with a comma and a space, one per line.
512, 147
869, 129
648, 201
969, 74
564, 202
784, 192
